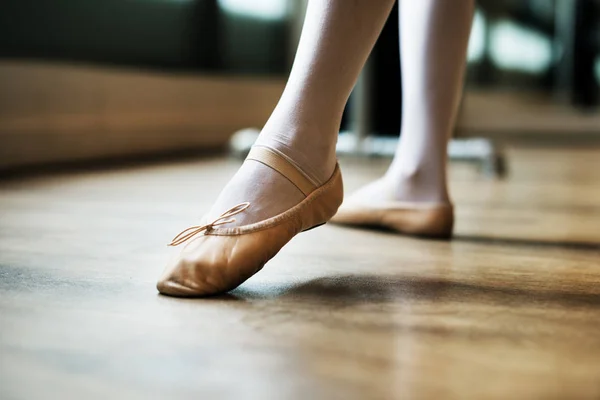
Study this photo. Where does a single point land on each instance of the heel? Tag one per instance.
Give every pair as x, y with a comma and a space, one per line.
435, 223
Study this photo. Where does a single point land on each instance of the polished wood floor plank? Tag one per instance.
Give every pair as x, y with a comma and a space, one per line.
508, 309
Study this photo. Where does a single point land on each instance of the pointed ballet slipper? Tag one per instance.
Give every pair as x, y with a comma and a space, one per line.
217, 259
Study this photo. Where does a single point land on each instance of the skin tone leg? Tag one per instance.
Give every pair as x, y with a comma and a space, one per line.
336, 39
434, 35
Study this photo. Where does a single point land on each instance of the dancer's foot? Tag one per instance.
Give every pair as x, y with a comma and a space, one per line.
392, 204
222, 252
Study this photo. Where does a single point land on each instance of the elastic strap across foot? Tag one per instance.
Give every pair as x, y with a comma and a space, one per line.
274, 160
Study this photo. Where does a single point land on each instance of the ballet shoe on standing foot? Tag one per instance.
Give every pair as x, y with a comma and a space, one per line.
374, 206
432, 220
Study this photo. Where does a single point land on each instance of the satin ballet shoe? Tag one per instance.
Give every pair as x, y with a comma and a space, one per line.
217, 258
433, 220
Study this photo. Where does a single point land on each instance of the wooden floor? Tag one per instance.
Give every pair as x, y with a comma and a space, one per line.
509, 309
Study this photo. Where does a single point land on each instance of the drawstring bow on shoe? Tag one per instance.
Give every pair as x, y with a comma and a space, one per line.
192, 231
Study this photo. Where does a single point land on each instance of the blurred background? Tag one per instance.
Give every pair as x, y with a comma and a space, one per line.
105, 79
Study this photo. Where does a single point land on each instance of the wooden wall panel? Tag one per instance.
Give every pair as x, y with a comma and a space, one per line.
522, 114
52, 113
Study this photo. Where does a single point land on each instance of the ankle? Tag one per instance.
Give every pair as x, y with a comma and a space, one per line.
310, 149
418, 183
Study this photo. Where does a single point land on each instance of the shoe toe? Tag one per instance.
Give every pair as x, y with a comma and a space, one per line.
170, 287
211, 265
184, 280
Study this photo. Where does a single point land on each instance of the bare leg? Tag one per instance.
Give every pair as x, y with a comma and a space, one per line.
434, 36
336, 39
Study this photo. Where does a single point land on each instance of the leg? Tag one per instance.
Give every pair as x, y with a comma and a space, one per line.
434, 36
336, 40
293, 163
